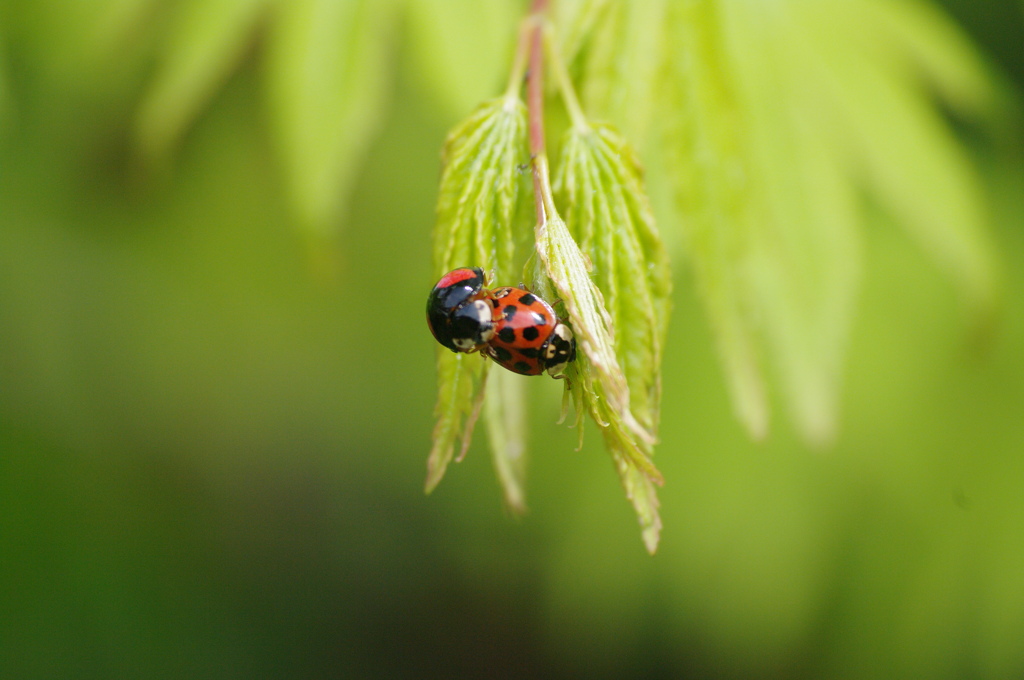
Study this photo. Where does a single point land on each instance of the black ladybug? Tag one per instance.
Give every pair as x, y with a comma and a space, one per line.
458, 313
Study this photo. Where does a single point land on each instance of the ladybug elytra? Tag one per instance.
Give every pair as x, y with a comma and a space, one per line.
528, 337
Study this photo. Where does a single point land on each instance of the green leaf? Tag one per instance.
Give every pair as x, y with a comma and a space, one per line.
596, 376
461, 47
460, 393
327, 84
804, 255
629, 451
480, 188
505, 414
477, 211
599, 185
204, 44
643, 494
707, 158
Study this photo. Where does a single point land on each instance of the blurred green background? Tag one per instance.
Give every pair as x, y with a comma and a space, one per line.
212, 454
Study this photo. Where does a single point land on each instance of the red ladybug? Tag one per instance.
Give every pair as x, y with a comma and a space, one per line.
457, 312
528, 338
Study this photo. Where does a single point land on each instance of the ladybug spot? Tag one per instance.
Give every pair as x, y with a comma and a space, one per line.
538, 319
530, 333
501, 354
508, 334
530, 352
522, 367
528, 299
509, 312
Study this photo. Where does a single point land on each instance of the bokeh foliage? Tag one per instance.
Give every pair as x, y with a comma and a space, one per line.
211, 460
784, 118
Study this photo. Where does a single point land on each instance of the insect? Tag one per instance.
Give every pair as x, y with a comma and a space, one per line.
528, 337
457, 313
512, 326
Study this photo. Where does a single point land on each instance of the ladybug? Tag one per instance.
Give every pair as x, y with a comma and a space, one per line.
458, 313
528, 338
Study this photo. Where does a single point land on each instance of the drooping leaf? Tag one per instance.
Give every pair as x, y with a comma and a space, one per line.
460, 393
599, 185
642, 492
597, 379
706, 156
804, 255
505, 413
477, 209
328, 65
203, 44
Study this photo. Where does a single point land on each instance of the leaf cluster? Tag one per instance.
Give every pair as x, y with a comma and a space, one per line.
604, 263
772, 129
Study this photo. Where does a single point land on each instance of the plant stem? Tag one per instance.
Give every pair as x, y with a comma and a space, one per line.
544, 201
515, 78
561, 74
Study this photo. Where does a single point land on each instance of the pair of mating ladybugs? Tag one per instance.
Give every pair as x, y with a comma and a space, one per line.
510, 325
